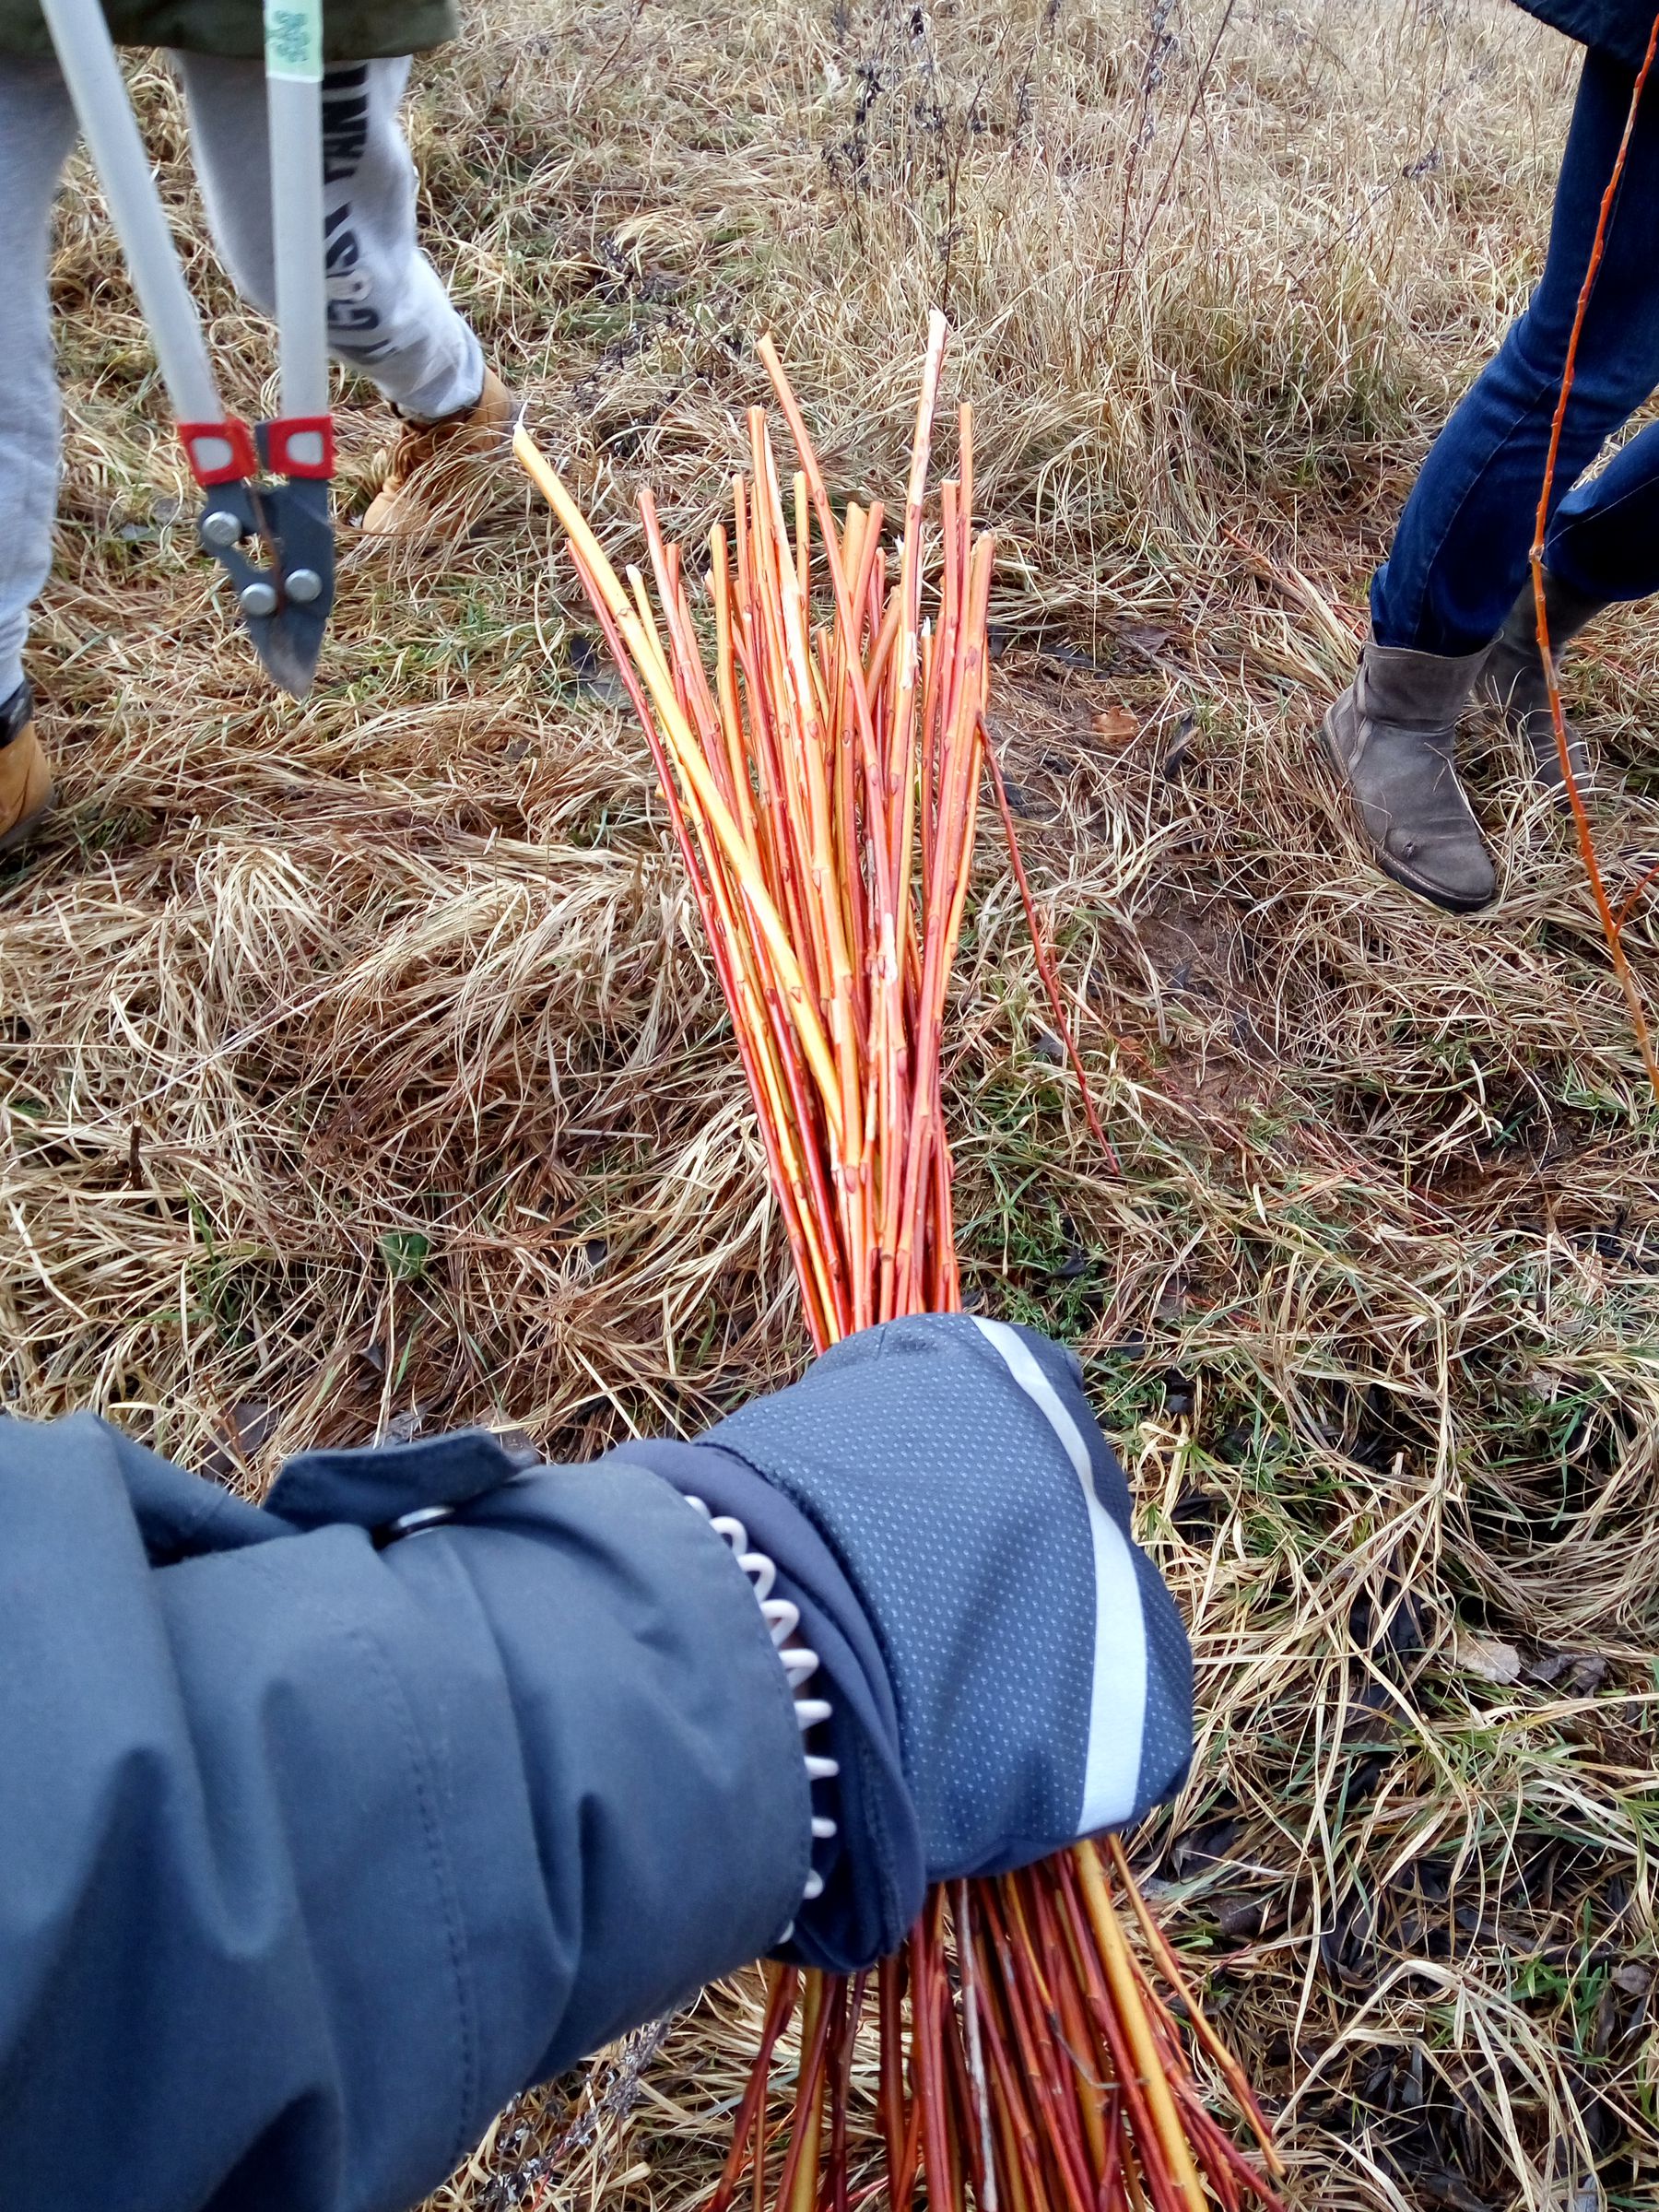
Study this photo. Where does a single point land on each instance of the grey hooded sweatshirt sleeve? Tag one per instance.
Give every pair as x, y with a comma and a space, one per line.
315, 1852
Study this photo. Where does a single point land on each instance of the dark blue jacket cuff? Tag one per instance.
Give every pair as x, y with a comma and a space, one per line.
873, 1870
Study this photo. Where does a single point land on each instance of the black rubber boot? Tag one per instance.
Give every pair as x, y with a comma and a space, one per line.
1514, 677
1391, 737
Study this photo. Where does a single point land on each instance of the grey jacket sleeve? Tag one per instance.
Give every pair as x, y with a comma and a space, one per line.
315, 1852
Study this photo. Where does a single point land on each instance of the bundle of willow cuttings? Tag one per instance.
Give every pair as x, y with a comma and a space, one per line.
821, 768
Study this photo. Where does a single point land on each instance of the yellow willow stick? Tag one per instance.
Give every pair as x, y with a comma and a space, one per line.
753, 639
965, 734
854, 538
825, 895
683, 747
693, 684
757, 996
901, 769
953, 566
1231, 2071
784, 758
846, 608
752, 742
645, 614
844, 647
895, 813
963, 635
848, 615
844, 604
970, 713
890, 1046
939, 669
849, 872
738, 950
725, 677
810, 710
887, 1012
955, 761
768, 1032
803, 555
927, 764
688, 657
887, 638
847, 648
868, 550
965, 476
810, 754
1132, 2011
770, 1037
767, 583
794, 1145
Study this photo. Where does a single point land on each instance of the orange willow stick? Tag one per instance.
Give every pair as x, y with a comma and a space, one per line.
885, 1020
643, 646
1557, 715
835, 965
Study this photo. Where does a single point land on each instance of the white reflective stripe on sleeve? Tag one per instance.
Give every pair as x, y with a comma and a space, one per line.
1117, 1711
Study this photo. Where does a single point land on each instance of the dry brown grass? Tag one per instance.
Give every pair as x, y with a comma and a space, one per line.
362, 1065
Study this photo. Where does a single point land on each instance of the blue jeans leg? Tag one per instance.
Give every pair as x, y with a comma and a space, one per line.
1604, 537
1459, 554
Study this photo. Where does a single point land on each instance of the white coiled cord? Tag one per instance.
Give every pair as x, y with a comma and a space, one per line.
782, 1618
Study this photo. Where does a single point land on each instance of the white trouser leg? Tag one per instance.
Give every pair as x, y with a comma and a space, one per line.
388, 314
37, 131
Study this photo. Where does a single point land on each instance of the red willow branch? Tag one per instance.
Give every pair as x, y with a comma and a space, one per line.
1611, 923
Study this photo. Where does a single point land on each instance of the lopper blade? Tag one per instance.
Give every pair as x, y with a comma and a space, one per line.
285, 605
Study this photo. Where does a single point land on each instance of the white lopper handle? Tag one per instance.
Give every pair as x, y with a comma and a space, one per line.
293, 37
86, 54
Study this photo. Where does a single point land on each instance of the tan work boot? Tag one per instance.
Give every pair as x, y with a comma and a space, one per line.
1514, 681
26, 793
1391, 737
433, 466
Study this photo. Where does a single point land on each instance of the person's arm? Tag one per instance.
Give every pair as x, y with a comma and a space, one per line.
318, 1847
314, 1854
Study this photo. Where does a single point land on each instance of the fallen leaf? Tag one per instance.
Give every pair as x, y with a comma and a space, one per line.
1175, 759
1487, 1660
1438, 2185
1115, 723
1243, 1917
406, 1252
1208, 1846
1580, 1673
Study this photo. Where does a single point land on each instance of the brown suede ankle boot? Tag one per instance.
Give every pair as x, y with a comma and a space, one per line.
433, 466
26, 793
1391, 737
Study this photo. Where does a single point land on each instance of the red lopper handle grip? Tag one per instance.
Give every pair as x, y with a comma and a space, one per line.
219, 452
301, 445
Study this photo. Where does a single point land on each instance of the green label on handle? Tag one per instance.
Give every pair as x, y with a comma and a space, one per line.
293, 32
